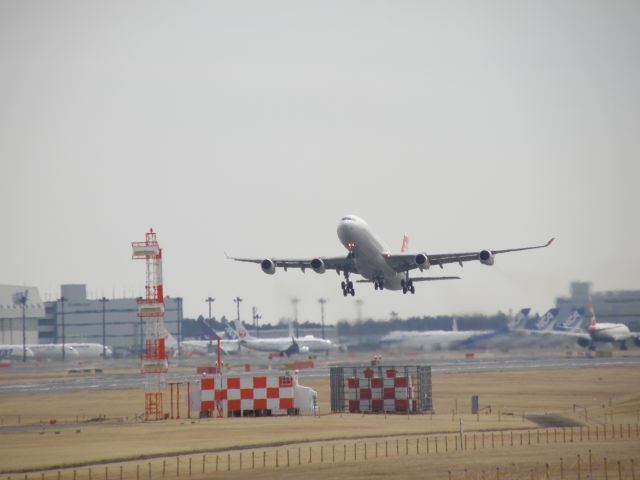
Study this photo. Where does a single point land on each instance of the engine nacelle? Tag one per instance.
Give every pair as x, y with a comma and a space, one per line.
584, 342
636, 340
486, 257
268, 266
422, 261
318, 265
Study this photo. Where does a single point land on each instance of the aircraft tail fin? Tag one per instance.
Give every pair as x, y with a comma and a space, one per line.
170, 341
242, 332
206, 328
230, 332
572, 323
546, 321
454, 327
405, 244
594, 323
519, 320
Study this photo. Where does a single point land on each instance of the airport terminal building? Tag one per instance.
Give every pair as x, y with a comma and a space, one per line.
12, 300
617, 306
83, 320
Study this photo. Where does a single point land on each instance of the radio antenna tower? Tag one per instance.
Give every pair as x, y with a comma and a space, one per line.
151, 310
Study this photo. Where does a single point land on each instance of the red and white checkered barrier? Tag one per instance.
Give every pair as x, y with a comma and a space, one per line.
247, 393
366, 393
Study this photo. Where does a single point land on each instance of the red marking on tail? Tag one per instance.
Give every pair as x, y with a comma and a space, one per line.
405, 243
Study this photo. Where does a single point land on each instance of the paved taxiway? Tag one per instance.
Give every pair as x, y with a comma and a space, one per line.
133, 379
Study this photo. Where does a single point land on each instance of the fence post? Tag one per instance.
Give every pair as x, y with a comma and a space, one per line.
590, 465
580, 432
633, 471
446, 443
561, 469
164, 467
365, 450
436, 443
528, 437
217, 463
397, 447
449, 474
177, 466
333, 452
264, 460
137, 472
288, 458
310, 455
546, 471
406, 446
229, 461
322, 453
344, 453
204, 462
376, 449
579, 472
191, 462
501, 438
106, 472
240, 463
619, 471
149, 471
277, 465
512, 438
606, 473
299, 456
417, 445
497, 473
120, 472
355, 450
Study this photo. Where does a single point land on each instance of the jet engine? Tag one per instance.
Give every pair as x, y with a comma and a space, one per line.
422, 261
268, 266
486, 257
584, 342
636, 340
318, 265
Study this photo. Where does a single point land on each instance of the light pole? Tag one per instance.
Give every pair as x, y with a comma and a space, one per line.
322, 301
23, 302
210, 301
62, 300
237, 301
179, 316
256, 317
104, 300
295, 301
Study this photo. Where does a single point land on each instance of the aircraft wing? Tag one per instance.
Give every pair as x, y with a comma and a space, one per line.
403, 262
418, 279
341, 264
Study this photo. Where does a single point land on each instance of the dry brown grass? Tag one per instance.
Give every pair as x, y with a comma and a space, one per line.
618, 389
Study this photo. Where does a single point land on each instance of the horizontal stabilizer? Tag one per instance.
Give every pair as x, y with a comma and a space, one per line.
429, 279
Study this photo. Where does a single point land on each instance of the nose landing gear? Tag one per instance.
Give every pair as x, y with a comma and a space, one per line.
347, 286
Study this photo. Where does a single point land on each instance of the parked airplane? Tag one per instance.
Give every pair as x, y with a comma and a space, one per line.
607, 333
42, 351
308, 343
369, 257
88, 351
228, 346
15, 352
430, 339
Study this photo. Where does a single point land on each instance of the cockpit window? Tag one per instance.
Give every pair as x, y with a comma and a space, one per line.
347, 218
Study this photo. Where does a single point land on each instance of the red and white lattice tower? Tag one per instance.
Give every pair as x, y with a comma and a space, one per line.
151, 309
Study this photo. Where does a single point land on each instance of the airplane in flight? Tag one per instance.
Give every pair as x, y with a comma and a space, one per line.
368, 256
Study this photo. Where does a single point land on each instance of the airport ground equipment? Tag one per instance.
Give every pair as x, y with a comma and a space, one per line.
381, 389
258, 394
151, 309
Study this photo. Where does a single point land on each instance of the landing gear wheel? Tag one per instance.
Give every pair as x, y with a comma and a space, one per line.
353, 292
375, 285
413, 289
404, 289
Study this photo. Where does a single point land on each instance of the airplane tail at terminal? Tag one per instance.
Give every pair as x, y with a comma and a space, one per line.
572, 323
230, 332
546, 321
593, 326
170, 341
242, 332
519, 320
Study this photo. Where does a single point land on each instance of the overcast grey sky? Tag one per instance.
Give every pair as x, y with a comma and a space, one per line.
251, 127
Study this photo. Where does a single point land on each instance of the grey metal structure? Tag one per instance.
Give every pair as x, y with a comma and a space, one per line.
420, 375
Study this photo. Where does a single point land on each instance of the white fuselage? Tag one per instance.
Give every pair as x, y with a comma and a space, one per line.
429, 340
88, 351
368, 252
308, 343
42, 351
206, 347
610, 332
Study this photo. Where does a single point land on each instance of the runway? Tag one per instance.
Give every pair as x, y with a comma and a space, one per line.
133, 379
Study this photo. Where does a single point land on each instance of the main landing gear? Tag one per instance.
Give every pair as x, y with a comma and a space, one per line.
407, 285
347, 286
378, 284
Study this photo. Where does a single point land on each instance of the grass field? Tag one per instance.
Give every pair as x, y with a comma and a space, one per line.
589, 397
